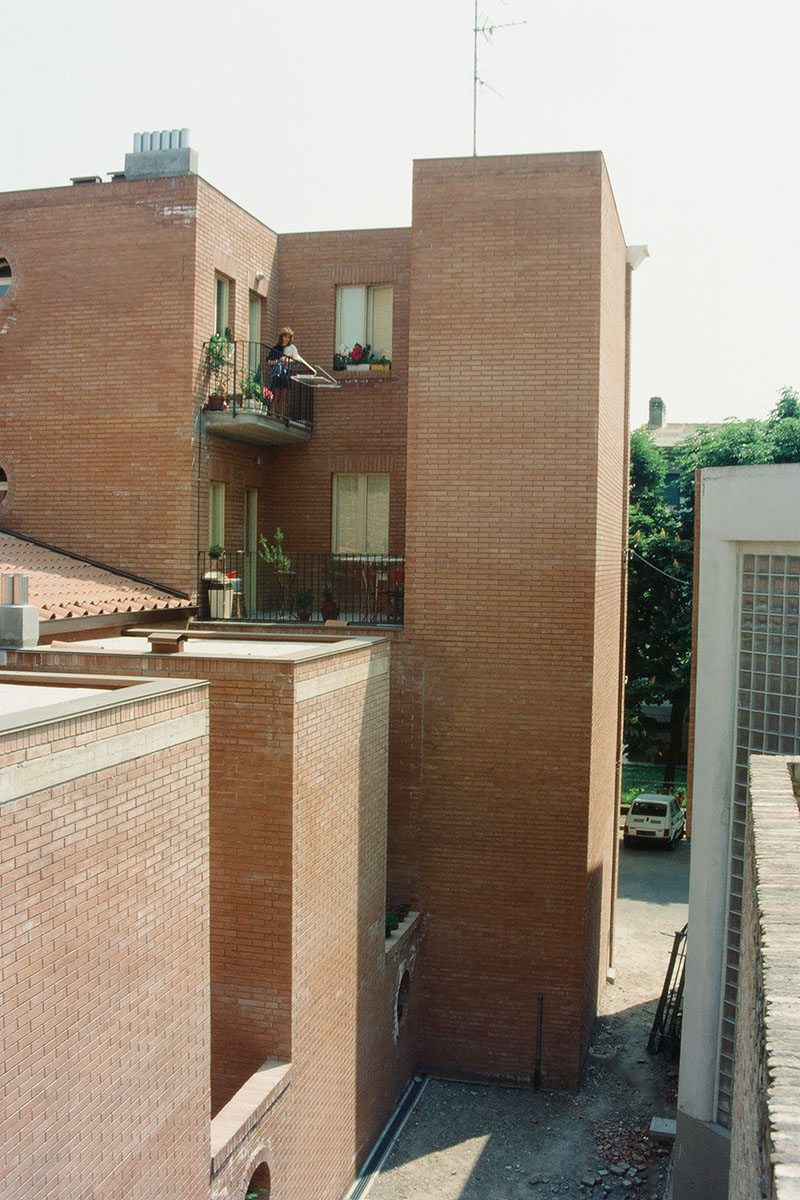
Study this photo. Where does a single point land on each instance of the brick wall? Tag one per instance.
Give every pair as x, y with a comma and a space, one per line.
96, 425
609, 472
362, 427
298, 772
506, 529
105, 966
103, 362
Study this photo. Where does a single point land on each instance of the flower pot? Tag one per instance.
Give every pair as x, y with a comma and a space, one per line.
217, 403
329, 610
357, 368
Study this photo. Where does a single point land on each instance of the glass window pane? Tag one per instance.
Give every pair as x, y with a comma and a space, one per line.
347, 523
221, 295
377, 516
350, 316
216, 514
379, 333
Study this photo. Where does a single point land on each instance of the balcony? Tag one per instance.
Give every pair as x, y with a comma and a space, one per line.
241, 404
362, 590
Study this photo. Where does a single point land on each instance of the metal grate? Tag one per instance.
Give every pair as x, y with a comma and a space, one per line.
768, 722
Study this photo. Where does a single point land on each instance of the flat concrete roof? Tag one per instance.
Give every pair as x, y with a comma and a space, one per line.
279, 650
20, 697
29, 698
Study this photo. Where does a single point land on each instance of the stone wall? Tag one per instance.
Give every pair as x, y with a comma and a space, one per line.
765, 1141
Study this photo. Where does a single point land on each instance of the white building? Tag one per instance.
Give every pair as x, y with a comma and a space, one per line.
746, 701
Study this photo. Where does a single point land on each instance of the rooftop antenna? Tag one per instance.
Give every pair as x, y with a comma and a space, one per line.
486, 30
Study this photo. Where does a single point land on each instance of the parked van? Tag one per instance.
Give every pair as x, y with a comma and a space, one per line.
654, 818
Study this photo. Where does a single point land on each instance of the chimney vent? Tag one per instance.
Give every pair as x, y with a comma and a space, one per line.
161, 153
658, 413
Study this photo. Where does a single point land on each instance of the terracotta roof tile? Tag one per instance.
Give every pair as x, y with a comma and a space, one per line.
62, 586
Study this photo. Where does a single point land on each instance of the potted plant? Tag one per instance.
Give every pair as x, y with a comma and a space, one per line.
218, 357
253, 387
357, 359
276, 557
329, 607
217, 401
305, 602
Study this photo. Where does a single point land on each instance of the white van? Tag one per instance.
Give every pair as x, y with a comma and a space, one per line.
654, 818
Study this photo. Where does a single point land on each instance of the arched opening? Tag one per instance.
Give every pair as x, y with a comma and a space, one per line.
258, 1187
6, 276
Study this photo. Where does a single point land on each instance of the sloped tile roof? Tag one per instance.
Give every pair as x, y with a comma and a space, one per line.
62, 586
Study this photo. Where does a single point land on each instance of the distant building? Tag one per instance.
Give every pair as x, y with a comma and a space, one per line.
465, 502
667, 436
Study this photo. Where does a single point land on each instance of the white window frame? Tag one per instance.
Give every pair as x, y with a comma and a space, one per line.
361, 328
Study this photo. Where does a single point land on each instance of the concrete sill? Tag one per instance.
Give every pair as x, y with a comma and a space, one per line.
246, 1108
411, 922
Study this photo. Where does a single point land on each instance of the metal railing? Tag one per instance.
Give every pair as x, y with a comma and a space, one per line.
365, 589
247, 382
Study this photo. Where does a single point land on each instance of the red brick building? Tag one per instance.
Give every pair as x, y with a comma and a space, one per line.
486, 471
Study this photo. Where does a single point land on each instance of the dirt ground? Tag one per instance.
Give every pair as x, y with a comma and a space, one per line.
474, 1142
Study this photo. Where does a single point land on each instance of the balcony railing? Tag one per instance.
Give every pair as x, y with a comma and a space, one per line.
366, 590
242, 384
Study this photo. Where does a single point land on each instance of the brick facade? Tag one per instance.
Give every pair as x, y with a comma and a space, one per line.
104, 884
502, 426
299, 971
516, 470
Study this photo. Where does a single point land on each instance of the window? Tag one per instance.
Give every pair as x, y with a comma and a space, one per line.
216, 514
364, 315
222, 300
254, 332
5, 276
3, 485
360, 514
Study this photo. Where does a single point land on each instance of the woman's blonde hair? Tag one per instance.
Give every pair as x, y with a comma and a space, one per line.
286, 330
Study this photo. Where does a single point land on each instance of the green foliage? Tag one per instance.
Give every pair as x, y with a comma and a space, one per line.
659, 595
304, 599
661, 555
218, 348
274, 554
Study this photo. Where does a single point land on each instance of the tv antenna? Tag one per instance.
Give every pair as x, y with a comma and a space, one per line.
485, 29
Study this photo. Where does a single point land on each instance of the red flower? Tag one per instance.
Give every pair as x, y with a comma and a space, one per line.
357, 353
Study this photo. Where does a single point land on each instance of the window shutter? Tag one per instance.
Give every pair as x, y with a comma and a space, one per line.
254, 333
377, 516
380, 332
346, 523
350, 316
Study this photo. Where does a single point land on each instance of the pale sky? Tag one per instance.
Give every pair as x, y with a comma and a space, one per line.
310, 112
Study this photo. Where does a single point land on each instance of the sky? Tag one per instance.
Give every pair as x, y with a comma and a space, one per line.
310, 113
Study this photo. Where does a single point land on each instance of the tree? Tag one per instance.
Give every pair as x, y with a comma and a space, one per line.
659, 593
661, 556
